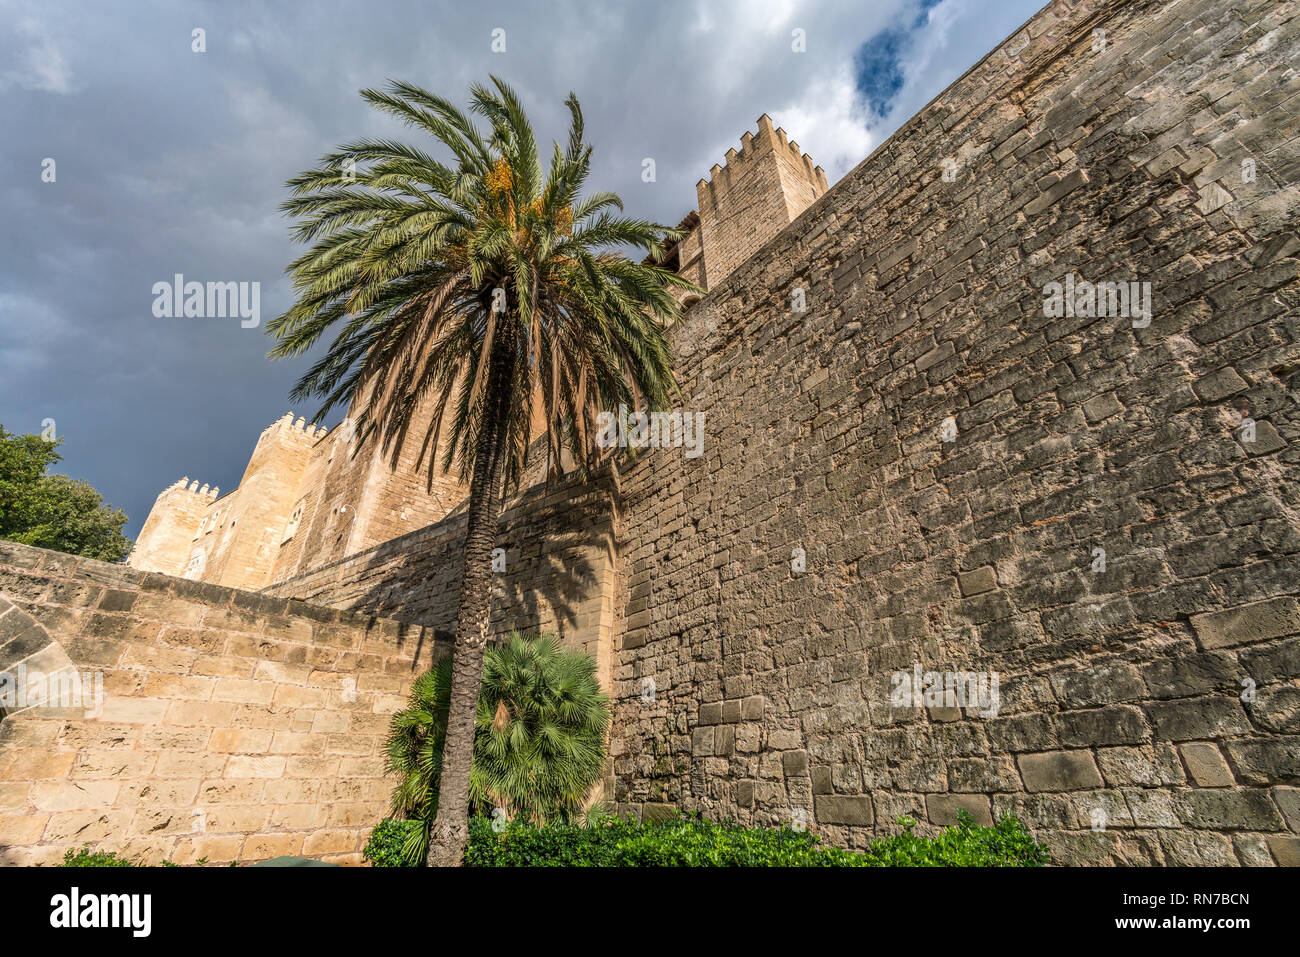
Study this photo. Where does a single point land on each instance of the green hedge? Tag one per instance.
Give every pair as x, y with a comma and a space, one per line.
88, 858
384, 849
691, 841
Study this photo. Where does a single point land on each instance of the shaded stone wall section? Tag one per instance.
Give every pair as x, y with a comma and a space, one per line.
559, 578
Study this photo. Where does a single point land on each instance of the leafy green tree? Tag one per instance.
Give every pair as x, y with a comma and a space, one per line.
497, 292
539, 738
54, 511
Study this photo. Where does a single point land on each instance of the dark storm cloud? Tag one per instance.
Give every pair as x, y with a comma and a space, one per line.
170, 161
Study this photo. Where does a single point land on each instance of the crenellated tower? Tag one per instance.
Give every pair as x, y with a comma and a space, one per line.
258, 507
163, 544
759, 191
232, 539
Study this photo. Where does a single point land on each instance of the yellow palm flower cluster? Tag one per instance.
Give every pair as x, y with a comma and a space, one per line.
499, 179
564, 220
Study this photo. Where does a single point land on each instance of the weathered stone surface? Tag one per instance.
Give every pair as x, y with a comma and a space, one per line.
1219, 385
1191, 718
1267, 441
1059, 771
206, 742
795, 763
1265, 760
702, 742
1103, 684
1124, 724
1152, 808
655, 811
1286, 849
843, 809
1191, 848
1247, 810
821, 780
1248, 624
1288, 802
1276, 709
1205, 765
1101, 407
1196, 673
943, 808
978, 581
1150, 766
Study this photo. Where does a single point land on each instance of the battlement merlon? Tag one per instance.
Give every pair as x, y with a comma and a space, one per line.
295, 426
768, 141
813, 173
184, 484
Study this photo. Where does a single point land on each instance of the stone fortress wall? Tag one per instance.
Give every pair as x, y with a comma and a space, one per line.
560, 572
924, 469
1148, 711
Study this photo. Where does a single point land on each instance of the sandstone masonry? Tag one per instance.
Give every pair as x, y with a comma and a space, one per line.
233, 726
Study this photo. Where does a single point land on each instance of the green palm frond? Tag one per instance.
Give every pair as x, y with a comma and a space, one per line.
406, 250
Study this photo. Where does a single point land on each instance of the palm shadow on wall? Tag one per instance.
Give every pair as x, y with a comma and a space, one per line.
549, 570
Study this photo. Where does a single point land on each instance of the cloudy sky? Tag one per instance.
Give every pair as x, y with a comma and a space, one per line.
172, 161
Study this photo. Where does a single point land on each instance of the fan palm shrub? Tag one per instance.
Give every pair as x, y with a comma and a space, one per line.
539, 738
493, 291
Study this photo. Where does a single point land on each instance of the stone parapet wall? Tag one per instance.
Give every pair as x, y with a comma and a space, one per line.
233, 725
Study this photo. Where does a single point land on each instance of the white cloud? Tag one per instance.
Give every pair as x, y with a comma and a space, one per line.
955, 36
829, 123
40, 64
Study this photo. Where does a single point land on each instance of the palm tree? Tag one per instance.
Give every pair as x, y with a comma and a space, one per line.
491, 289
539, 742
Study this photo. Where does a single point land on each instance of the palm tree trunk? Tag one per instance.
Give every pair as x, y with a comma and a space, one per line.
450, 831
